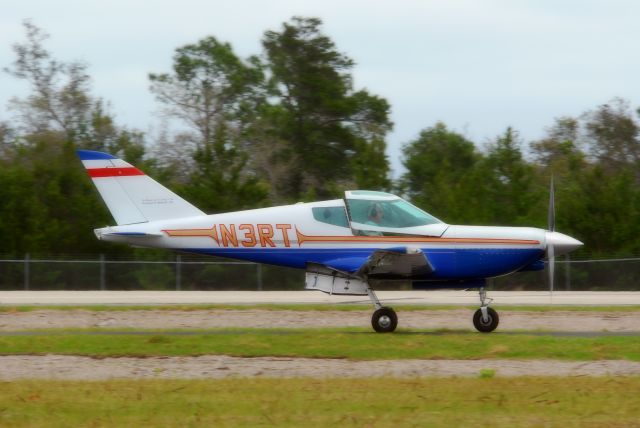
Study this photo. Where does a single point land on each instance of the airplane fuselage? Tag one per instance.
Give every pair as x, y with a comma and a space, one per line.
292, 236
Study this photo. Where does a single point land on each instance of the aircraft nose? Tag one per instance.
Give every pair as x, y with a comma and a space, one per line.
562, 244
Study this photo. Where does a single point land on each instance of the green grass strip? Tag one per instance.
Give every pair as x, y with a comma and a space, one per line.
517, 402
356, 344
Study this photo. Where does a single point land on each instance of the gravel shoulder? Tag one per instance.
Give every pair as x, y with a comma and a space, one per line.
569, 321
65, 367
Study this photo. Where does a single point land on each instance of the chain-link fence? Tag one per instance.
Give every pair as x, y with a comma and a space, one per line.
607, 274
181, 272
190, 272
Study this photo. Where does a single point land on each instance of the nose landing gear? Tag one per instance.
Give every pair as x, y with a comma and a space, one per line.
384, 319
485, 319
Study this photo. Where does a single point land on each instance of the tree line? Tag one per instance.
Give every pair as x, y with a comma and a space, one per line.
288, 125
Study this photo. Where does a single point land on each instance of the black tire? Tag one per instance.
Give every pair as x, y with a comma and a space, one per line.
486, 326
384, 320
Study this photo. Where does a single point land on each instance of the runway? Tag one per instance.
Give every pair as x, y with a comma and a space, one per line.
395, 298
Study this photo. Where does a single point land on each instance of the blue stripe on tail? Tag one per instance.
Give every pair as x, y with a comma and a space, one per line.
93, 155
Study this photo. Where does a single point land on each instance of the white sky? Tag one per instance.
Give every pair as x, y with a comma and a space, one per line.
477, 65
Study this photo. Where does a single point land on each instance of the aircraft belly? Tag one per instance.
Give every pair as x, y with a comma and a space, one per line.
344, 259
461, 263
447, 263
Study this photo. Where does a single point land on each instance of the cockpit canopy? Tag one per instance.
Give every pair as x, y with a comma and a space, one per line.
384, 210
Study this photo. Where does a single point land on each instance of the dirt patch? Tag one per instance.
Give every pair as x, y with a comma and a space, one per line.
570, 321
64, 367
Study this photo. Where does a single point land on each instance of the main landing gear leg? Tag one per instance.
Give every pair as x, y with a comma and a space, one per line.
485, 319
384, 319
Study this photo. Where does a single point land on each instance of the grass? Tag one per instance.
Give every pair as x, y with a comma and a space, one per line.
522, 402
314, 307
350, 343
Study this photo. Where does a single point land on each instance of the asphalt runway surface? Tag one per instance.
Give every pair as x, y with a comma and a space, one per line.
448, 297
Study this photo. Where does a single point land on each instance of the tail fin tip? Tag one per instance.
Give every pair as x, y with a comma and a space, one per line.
94, 155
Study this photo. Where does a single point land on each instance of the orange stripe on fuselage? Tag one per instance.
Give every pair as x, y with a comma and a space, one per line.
208, 233
411, 240
264, 233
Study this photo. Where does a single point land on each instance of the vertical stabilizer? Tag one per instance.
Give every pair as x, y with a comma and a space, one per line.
130, 194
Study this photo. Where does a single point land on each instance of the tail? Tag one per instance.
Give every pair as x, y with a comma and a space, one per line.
130, 195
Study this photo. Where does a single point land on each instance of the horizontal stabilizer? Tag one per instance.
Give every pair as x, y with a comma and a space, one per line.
109, 234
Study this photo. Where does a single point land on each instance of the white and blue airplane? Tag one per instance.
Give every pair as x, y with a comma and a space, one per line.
342, 244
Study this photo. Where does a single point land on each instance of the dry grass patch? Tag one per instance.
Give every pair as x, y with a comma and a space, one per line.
522, 402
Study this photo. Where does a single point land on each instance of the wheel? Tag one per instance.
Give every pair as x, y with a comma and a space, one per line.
486, 326
384, 320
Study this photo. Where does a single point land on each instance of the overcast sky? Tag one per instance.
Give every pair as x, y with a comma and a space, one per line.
477, 65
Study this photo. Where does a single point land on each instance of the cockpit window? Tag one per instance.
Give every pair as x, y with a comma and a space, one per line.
388, 213
331, 215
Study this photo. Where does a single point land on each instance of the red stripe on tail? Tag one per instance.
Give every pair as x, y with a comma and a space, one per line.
113, 172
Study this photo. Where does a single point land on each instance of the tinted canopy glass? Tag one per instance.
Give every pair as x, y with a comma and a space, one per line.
394, 213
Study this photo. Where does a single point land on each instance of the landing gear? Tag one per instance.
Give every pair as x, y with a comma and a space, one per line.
485, 323
384, 319
485, 319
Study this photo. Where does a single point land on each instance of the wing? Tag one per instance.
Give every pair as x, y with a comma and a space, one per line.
392, 263
401, 263
342, 276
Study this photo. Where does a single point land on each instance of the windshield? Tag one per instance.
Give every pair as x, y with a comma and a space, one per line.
395, 213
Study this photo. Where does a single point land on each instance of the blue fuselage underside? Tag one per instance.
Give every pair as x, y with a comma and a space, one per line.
448, 264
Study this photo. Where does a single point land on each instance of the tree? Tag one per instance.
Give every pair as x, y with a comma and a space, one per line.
605, 212
209, 86
325, 123
47, 195
597, 194
59, 100
613, 136
219, 181
561, 142
7, 138
510, 180
212, 92
613, 133
440, 165
559, 155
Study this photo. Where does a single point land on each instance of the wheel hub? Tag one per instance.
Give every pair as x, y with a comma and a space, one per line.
488, 321
384, 321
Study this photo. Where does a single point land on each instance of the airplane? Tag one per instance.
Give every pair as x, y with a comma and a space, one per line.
343, 244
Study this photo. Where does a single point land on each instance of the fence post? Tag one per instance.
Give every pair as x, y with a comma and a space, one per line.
567, 272
178, 272
26, 271
259, 275
103, 281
